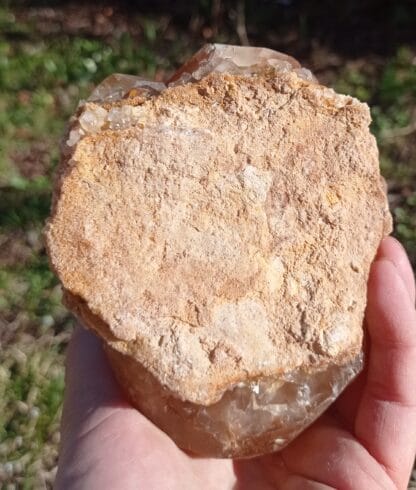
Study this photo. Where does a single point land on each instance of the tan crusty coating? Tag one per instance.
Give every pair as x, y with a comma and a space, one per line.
228, 234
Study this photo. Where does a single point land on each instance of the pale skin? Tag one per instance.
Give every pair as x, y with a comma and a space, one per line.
367, 440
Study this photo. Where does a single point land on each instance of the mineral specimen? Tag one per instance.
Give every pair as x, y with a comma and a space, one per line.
217, 232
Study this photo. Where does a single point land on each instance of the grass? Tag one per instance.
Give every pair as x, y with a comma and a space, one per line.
42, 78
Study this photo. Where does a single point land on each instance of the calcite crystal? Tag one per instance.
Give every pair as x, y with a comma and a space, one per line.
217, 231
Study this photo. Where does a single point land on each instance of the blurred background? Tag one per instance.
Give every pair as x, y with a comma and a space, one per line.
51, 55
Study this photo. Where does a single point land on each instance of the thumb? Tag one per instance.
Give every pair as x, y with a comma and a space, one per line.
104, 440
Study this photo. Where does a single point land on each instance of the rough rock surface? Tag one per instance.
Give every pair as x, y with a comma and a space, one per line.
219, 233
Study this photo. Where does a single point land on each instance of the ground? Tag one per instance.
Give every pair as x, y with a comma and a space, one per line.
50, 58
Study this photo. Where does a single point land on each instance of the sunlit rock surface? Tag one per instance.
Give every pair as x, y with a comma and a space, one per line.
283, 231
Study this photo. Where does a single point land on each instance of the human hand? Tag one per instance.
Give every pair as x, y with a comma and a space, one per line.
365, 441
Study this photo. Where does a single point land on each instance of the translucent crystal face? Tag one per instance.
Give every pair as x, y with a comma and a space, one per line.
250, 419
219, 58
236, 60
117, 86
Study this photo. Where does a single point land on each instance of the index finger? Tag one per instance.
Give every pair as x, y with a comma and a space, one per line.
386, 417
393, 250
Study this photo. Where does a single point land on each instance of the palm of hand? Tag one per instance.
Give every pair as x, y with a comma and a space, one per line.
367, 440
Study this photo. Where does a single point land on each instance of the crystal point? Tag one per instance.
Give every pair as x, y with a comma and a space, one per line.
219, 58
117, 86
236, 60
